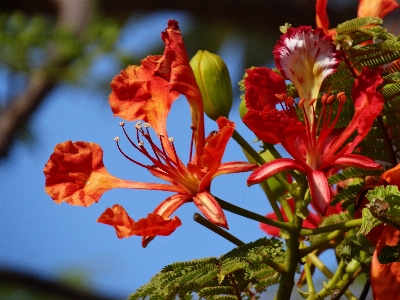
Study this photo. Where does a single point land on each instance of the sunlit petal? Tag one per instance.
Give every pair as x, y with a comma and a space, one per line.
319, 189
392, 176
306, 57
274, 167
385, 278
119, 219
376, 8
210, 208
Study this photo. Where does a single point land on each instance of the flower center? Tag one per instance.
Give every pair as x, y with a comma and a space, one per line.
164, 159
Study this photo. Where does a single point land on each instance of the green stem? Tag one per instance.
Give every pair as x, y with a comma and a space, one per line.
272, 200
253, 216
308, 272
218, 230
331, 236
257, 157
234, 240
328, 288
339, 226
292, 258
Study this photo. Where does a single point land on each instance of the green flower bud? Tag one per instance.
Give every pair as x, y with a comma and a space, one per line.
242, 108
215, 85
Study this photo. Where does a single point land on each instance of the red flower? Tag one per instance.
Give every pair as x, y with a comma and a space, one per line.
374, 8
313, 220
146, 92
385, 278
315, 146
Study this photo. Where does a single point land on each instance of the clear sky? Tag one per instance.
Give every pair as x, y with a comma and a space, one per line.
40, 236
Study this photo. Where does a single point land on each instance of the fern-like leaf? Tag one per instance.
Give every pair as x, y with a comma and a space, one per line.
243, 269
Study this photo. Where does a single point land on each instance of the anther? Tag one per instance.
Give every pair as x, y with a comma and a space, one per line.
141, 143
138, 125
341, 96
324, 98
289, 101
312, 101
116, 139
146, 125
171, 139
281, 97
121, 123
301, 102
330, 98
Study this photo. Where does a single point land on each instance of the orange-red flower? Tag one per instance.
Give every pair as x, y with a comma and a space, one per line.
125, 226
307, 57
374, 8
146, 93
385, 278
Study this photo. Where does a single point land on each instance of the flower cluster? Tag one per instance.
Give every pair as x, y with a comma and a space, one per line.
304, 119
75, 172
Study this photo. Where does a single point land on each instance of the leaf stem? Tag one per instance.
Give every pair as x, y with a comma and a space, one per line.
292, 258
218, 230
317, 245
253, 216
257, 157
339, 226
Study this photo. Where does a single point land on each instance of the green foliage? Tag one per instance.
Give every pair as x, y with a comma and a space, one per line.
364, 42
351, 173
389, 254
243, 271
356, 247
37, 42
332, 219
385, 204
348, 195
368, 222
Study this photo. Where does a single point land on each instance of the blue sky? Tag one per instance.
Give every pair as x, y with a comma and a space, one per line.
40, 236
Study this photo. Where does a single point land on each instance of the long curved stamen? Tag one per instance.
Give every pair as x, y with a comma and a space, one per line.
116, 139
191, 142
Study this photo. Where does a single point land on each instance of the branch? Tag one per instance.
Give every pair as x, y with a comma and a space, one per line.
45, 286
72, 14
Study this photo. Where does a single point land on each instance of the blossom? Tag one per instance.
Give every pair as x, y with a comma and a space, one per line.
385, 278
313, 220
315, 145
374, 8
146, 93
125, 226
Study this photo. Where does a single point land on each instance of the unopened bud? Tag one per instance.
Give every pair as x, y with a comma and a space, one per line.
242, 108
215, 85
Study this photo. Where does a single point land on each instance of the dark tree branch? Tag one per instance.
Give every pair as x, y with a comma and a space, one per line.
72, 14
250, 15
44, 286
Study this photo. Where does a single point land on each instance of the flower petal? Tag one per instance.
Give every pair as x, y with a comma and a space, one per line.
355, 160
174, 67
385, 278
155, 225
274, 167
75, 174
210, 208
368, 104
306, 57
376, 8
321, 16
234, 167
319, 189
119, 219
171, 204
137, 94
392, 176
262, 85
